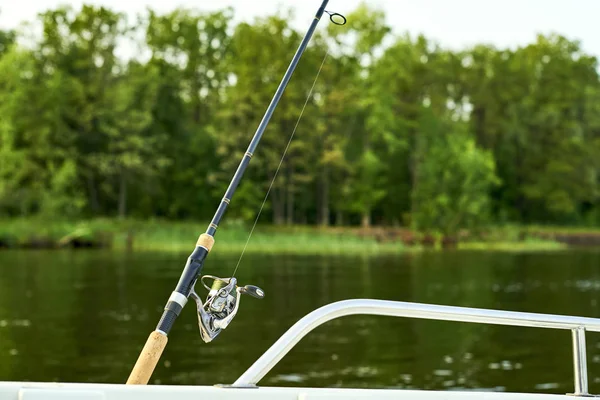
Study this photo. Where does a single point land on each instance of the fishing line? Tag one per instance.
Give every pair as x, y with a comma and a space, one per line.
280, 162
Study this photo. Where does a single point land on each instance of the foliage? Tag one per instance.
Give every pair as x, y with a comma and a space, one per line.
454, 179
398, 130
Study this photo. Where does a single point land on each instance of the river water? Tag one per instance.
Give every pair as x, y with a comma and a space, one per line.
82, 316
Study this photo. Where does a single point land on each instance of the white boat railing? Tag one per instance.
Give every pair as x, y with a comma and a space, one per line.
577, 325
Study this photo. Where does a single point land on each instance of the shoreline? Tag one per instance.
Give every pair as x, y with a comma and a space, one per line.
176, 236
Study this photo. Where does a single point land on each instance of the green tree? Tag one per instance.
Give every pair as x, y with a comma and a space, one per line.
34, 140
7, 38
188, 49
455, 178
133, 152
16, 169
256, 72
80, 47
364, 35
411, 74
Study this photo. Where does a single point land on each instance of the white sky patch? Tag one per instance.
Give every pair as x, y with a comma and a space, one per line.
454, 24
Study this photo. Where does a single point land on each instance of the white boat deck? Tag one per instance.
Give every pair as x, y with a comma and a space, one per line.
72, 391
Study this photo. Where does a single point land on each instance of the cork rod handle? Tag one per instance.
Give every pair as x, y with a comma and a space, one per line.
142, 371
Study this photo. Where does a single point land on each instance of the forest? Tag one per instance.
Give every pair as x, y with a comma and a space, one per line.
101, 116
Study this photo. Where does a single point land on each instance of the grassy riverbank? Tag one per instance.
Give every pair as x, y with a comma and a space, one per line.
158, 235
181, 236
511, 246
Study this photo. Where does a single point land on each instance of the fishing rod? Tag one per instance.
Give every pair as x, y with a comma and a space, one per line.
223, 299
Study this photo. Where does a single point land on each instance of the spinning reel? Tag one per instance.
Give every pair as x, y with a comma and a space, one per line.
221, 305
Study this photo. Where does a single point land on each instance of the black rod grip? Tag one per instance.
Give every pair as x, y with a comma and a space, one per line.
166, 321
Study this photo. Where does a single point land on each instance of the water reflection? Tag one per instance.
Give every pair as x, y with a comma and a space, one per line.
83, 316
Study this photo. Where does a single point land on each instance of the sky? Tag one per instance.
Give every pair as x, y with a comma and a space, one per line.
452, 23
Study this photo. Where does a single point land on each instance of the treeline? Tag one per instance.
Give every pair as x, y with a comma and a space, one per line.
104, 117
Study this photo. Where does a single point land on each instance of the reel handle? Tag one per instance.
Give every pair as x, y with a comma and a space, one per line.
253, 291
